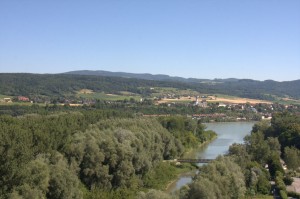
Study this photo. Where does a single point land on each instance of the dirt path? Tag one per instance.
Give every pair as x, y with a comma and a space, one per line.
295, 186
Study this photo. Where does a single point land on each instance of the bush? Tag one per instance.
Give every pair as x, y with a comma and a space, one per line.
283, 194
263, 185
294, 195
288, 180
279, 183
159, 176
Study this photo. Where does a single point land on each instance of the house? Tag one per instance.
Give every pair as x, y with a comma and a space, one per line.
23, 99
7, 100
222, 105
253, 109
196, 102
266, 117
203, 104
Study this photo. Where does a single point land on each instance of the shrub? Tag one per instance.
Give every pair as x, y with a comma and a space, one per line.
294, 195
288, 180
283, 194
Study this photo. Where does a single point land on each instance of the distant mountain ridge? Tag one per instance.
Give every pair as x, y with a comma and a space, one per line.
232, 86
159, 77
26, 84
145, 76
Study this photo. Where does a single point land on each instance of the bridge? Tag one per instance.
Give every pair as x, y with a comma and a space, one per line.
195, 160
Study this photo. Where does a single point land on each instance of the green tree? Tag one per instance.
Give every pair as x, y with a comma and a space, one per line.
223, 177
240, 154
275, 165
35, 180
257, 147
263, 185
292, 157
151, 194
63, 182
15, 153
204, 188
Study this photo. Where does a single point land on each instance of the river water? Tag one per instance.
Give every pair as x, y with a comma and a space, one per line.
228, 133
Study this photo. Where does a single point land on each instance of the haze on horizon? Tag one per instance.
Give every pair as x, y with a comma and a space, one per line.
200, 39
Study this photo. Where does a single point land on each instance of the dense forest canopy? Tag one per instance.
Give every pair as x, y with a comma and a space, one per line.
90, 152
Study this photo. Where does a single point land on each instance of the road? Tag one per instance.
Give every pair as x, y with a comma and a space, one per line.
274, 190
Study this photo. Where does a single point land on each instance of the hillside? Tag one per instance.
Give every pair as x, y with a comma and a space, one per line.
14, 84
145, 76
60, 85
231, 86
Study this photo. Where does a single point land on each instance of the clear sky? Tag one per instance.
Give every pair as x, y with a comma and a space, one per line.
257, 39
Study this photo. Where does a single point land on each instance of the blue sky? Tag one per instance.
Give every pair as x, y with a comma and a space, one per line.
257, 39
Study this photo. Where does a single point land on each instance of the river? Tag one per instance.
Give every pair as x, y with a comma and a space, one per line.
228, 133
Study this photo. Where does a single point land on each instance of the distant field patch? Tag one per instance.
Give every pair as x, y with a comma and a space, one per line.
170, 95
163, 91
86, 91
107, 97
4, 96
238, 100
128, 93
16, 103
181, 100
289, 101
215, 98
111, 94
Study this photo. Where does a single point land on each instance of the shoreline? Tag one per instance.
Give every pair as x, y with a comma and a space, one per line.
200, 145
188, 173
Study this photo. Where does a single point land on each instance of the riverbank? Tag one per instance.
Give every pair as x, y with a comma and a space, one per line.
164, 173
190, 153
186, 177
227, 134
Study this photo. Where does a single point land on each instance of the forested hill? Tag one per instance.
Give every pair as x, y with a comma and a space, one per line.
146, 76
260, 89
15, 84
61, 84
231, 86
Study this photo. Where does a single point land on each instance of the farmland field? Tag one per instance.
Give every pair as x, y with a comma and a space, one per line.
108, 97
216, 98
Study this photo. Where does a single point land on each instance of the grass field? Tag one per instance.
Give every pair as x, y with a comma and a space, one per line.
86, 91
16, 103
4, 96
108, 97
288, 101
159, 91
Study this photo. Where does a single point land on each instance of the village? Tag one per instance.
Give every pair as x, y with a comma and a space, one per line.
205, 107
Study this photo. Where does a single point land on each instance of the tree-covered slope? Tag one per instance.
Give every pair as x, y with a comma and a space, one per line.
63, 155
61, 85
67, 84
145, 76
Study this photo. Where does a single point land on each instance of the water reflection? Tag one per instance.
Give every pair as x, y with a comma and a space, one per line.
228, 133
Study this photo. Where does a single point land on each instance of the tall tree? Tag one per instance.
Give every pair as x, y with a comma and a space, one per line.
292, 157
